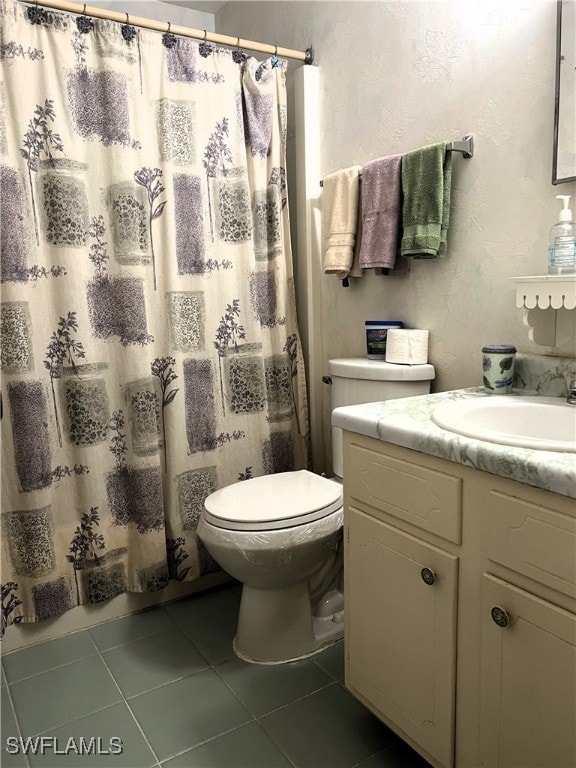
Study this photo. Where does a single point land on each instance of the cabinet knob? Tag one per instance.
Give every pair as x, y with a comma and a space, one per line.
499, 616
428, 576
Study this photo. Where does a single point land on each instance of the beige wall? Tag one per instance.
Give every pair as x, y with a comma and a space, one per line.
160, 11
397, 75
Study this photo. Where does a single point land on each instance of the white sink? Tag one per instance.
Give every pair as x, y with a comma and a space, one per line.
544, 423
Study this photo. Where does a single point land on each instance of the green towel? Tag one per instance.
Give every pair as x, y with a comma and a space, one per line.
426, 181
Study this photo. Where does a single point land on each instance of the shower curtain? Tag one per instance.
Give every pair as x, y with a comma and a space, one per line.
149, 345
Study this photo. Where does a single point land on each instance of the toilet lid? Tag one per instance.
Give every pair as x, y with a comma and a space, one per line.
273, 501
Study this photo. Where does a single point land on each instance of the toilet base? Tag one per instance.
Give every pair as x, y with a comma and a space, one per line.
276, 626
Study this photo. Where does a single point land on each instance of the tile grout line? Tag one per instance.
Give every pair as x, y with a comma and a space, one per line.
136, 639
16, 719
207, 741
69, 722
300, 698
208, 666
96, 711
132, 715
61, 666
159, 607
257, 718
57, 666
174, 624
231, 730
72, 632
254, 719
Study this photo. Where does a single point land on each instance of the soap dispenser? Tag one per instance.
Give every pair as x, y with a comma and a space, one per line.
562, 242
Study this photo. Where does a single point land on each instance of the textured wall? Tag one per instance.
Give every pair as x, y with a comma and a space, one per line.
397, 75
161, 11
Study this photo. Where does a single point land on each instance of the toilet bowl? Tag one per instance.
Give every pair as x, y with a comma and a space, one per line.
281, 536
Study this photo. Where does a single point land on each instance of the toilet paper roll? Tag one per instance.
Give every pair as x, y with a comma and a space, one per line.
407, 346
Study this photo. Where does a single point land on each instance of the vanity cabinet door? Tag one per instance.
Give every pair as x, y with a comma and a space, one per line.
401, 631
528, 707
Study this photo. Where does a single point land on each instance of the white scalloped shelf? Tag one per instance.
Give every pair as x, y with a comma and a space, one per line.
540, 296
544, 291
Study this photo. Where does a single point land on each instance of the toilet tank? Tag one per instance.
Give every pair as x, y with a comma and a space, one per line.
356, 380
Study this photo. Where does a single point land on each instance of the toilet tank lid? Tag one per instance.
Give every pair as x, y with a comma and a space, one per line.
378, 370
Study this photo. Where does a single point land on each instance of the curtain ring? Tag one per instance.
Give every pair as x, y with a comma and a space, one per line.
127, 19
169, 39
275, 50
205, 35
84, 10
237, 43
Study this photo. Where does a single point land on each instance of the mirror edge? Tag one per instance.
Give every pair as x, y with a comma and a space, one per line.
555, 179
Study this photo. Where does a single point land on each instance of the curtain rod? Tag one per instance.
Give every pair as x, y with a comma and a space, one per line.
306, 56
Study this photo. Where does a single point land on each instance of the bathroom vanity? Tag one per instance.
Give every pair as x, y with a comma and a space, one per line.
460, 588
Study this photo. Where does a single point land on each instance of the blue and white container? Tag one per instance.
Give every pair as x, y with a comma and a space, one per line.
498, 368
376, 333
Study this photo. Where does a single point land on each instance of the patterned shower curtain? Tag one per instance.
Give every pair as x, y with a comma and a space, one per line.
150, 352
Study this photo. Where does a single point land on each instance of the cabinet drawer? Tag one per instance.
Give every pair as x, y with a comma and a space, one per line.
429, 499
530, 539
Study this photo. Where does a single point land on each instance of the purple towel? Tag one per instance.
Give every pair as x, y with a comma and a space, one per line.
381, 212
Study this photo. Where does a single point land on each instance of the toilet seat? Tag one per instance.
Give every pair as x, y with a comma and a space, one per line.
283, 500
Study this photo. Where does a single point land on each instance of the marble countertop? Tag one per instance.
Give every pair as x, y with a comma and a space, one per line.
406, 422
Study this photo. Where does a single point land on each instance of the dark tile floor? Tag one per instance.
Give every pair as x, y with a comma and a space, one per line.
167, 683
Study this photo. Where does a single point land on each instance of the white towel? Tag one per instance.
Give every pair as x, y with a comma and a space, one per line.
339, 220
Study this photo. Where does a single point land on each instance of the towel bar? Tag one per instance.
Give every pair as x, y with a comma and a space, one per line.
465, 145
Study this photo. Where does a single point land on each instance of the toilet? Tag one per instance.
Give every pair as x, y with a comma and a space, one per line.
281, 535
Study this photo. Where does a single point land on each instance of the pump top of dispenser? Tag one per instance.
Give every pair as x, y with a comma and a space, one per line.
565, 213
